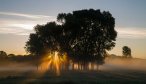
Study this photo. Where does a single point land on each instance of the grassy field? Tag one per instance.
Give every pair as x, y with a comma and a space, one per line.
78, 77
111, 72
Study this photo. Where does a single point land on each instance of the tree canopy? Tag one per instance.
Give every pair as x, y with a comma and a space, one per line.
126, 52
82, 34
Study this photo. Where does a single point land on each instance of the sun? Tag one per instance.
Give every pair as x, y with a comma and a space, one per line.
53, 61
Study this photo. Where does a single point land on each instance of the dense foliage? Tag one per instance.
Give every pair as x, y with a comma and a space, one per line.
82, 34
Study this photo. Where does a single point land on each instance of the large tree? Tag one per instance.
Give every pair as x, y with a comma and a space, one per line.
82, 34
90, 32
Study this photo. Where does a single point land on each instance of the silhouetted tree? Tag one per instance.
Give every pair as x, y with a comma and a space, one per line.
11, 55
90, 33
126, 52
83, 34
46, 39
3, 54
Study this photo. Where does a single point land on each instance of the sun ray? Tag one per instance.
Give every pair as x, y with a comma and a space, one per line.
53, 61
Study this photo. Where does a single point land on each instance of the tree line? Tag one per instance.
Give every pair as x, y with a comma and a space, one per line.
126, 51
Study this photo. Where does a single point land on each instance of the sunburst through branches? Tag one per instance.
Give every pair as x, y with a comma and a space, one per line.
53, 61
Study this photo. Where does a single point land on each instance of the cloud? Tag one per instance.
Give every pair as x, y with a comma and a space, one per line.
25, 15
16, 27
16, 31
23, 26
132, 33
